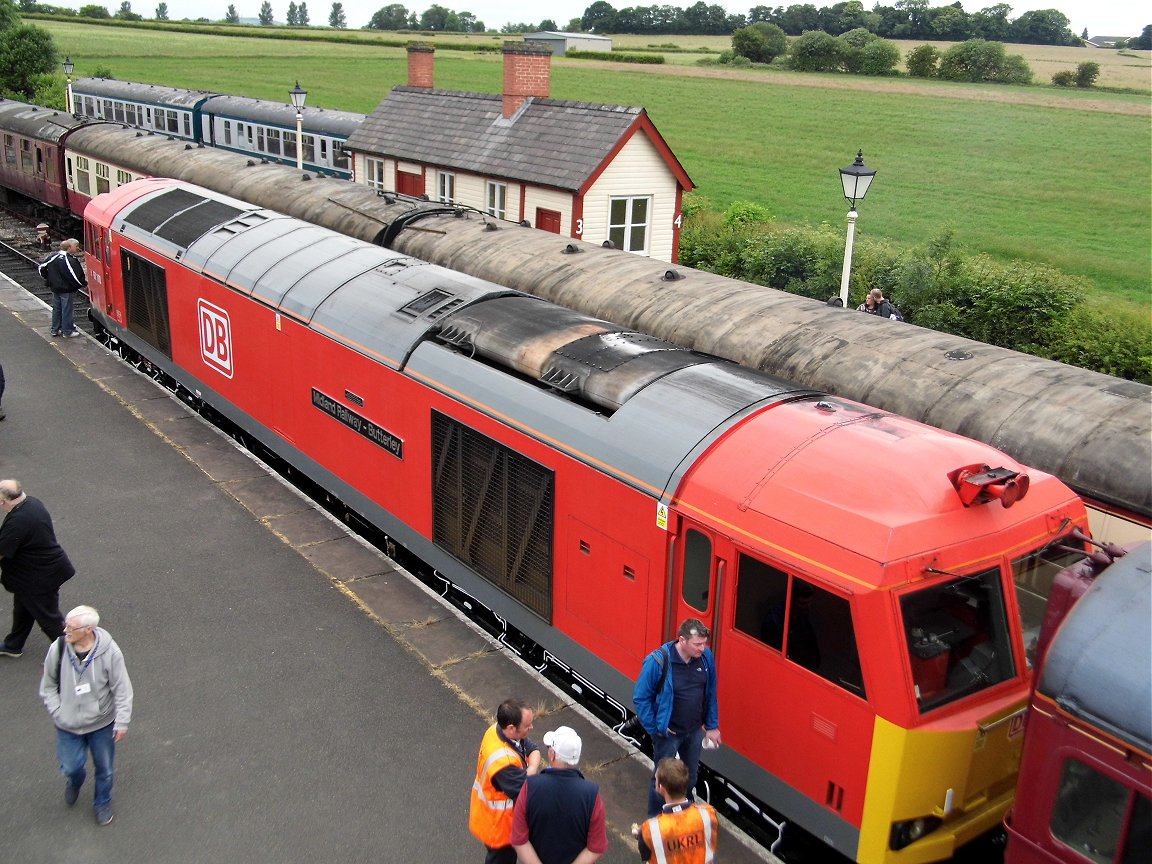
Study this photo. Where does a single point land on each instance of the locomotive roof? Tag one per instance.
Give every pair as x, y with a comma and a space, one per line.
1099, 666
340, 124
45, 124
147, 94
551, 143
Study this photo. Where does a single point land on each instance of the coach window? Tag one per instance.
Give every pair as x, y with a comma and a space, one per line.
107, 109
148, 115
130, 114
446, 188
26, 156
274, 141
123, 177
1091, 812
697, 569
497, 199
375, 170
339, 155
310, 149
228, 133
174, 122
187, 125
260, 145
83, 177
628, 223
289, 142
9, 150
101, 178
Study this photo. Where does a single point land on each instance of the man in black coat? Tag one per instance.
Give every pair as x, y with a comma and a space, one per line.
65, 277
32, 567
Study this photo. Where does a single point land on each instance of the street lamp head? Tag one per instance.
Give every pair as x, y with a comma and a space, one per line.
298, 96
856, 178
68, 66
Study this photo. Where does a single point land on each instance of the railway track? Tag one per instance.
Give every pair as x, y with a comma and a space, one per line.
21, 253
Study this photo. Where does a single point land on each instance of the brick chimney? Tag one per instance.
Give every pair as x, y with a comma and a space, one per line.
527, 72
421, 60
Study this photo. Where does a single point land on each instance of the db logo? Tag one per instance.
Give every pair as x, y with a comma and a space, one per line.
215, 337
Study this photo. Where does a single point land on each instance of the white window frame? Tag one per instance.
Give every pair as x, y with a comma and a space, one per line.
374, 169
625, 229
496, 194
445, 187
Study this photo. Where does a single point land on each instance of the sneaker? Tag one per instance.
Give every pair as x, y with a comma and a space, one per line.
71, 793
104, 814
5, 651
55, 332
72, 334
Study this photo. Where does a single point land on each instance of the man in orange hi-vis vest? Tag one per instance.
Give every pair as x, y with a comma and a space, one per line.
685, 831
507, 758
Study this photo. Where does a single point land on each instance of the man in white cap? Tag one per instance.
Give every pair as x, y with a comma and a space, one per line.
559, 816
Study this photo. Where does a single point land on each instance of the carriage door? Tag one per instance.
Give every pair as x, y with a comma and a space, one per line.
696, 582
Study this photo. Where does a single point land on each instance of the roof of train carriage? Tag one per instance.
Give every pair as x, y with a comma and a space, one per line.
1099, 667
340, 124
45, 124
642, 406
876, 484
150, 94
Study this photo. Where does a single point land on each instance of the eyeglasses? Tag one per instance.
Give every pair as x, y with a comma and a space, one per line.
75, 629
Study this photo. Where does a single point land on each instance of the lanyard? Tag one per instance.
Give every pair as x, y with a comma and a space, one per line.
80, 667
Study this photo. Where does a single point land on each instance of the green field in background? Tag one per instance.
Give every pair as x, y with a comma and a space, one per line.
1066, 184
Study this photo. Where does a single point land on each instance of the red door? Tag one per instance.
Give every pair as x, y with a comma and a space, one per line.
548, 220
409, 184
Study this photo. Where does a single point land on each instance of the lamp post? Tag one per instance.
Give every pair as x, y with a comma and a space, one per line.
298, 96
856, 178
68, 67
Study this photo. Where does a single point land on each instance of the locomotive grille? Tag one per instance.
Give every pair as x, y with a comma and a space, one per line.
181, 216
146, 296
492, 509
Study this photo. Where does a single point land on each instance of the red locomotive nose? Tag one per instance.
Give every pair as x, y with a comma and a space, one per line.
979, 484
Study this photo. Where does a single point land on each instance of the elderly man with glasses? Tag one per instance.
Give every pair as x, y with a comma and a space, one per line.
86, 689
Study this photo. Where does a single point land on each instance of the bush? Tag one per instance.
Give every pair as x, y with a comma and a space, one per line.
1086, 74
740, 62
1096, 339
815, 51
760, 43
978, 60
1064, 78
746, 213
616, 56
880, 58
923, 61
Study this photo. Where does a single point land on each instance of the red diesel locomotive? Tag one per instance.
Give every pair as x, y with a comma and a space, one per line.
593, 486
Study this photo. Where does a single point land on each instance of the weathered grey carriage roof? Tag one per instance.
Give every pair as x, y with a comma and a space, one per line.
146, 94
337, 123
550, 142
47, 124
1100, 664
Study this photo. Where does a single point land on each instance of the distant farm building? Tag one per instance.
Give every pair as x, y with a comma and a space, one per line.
595, 172
562, 43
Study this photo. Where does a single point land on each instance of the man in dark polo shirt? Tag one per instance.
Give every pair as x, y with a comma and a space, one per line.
675, 698
32, 567
559, 816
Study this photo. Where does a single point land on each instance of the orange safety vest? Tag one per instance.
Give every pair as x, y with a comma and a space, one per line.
685, 837
490, 813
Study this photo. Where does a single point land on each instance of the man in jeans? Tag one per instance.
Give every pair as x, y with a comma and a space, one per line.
65, 277
675, 698
86, 689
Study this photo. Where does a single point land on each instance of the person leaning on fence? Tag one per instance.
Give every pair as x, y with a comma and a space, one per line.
684, 832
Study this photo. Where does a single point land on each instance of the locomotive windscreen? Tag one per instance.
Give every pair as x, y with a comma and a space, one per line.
181, 216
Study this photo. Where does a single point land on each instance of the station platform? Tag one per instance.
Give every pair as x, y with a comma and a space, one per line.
298, 698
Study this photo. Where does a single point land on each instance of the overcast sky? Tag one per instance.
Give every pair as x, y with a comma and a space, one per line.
1108, 18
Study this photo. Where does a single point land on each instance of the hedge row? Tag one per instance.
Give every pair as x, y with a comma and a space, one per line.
616, 56
1017, 304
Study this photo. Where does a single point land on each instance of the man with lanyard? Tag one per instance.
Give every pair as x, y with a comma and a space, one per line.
86, 689
675, 699
683, 832
507, 758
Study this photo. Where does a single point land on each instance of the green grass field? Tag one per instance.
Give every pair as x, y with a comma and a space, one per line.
1056, 177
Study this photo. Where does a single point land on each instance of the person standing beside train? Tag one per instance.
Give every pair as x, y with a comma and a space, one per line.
32, 567
507, 758
675, 699
684, 832
65, 277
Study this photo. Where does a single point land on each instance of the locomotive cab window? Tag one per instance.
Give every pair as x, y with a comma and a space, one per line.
811, 626
697, 570
1034, 574
1099, 817
959, 641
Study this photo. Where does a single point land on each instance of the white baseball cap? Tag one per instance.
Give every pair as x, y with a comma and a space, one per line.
565, 742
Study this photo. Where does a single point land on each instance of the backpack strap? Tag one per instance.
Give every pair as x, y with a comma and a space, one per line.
665, 660
59, 663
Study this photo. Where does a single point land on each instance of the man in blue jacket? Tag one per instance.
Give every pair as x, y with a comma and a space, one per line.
675, 698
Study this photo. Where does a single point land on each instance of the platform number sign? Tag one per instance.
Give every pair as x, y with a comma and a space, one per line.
215, 337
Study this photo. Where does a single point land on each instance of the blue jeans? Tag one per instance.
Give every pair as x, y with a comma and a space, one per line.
72, 751
688, 747
62, 311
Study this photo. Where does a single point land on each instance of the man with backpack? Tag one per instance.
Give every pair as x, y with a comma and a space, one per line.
675, 699
876, 304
